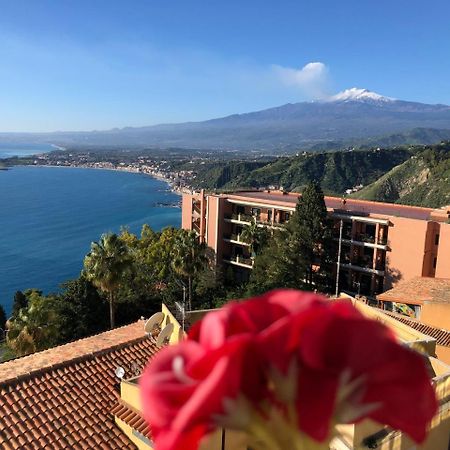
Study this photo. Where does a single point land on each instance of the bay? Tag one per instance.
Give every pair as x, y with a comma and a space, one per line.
49, 216
7, 150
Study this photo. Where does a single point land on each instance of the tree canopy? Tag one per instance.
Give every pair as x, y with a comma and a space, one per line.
301, 254
105, 265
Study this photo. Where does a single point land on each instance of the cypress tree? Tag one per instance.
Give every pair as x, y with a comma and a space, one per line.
311, 228
300, 256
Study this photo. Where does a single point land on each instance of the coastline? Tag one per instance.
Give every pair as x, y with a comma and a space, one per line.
157, 176
72, 209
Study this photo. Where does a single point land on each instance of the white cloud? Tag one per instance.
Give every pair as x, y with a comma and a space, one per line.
313, 79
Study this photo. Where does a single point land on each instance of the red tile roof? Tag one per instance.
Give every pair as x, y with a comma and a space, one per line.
62, 398
419, 290
131, 417
442, 336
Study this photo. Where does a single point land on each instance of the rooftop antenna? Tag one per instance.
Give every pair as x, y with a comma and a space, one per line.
164, 336
153, 325
181, 308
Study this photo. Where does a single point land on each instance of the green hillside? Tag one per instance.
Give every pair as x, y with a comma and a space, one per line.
336, 171
422, 180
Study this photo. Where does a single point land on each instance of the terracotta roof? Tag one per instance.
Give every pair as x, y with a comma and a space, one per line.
419, 290
62, 397
364, 207
131, 417
442, 336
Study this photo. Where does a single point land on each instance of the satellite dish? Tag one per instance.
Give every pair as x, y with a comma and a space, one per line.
120, 372
154, 323
164, 336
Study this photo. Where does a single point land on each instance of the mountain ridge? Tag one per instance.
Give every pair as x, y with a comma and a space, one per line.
352, 115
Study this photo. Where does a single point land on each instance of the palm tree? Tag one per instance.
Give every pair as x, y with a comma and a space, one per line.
189, 258
33, 328
255, 236
105, 266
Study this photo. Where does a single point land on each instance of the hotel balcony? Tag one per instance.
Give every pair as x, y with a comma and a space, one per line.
246, 219
354, 265
196, 225
239, 260
235, 239
269, 224
196, 209
364, 241
243, 219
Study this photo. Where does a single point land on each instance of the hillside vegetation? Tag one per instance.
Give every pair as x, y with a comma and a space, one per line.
336, 171
423, 180
415, 175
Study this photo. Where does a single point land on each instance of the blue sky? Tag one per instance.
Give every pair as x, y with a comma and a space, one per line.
93, 64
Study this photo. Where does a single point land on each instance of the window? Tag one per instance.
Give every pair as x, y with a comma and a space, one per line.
256, 212
284, 216
436, 239
434, 262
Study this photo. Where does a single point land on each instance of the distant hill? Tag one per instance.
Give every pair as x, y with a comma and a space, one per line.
416, 136
415, 175
423, 180
336, 171
355, 116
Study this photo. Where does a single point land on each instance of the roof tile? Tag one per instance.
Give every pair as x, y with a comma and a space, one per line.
62, 397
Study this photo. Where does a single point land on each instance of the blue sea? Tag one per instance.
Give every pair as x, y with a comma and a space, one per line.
8, 150
49, 216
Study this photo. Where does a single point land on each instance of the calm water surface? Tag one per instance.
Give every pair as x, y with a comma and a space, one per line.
49, 217
9, 150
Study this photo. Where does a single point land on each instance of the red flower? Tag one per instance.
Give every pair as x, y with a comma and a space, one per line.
251, 316
350, 367
286, 349
184, 387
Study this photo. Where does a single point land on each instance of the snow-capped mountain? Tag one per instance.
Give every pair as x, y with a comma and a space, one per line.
357, 94
354, 115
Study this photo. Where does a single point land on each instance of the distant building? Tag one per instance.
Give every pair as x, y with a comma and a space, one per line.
382, 243
429, 299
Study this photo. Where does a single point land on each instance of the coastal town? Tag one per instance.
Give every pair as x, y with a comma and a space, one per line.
225, 225
160, 168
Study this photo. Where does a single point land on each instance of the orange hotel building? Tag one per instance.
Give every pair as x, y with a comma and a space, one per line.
382, 243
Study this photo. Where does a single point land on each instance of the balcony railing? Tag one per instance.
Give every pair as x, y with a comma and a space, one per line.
240, 260
241, 217
196, 208
366, 263
363, 237
235, 238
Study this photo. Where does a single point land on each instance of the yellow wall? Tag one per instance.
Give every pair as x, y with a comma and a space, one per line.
140, 444
129, 393
178, 333
436, 314
403, 332
443, 353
